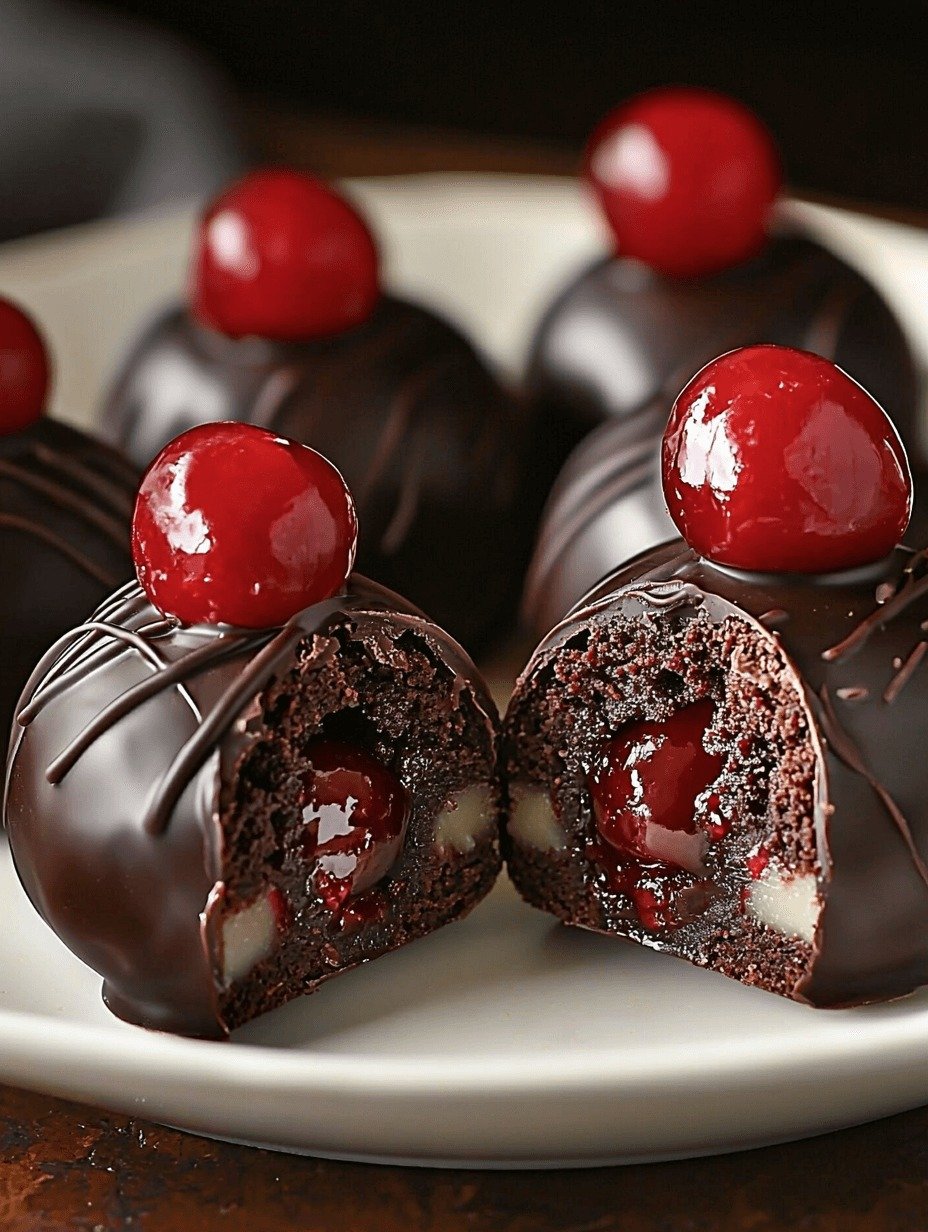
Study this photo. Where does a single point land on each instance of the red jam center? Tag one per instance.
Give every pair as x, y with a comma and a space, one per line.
355, 812
646, 785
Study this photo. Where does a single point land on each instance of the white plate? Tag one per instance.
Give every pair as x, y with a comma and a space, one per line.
505, 1040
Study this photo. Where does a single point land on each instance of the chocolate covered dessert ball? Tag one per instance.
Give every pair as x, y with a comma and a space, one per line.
253, 769
718, 753
287, 328
687, 181
607, 506
65, 507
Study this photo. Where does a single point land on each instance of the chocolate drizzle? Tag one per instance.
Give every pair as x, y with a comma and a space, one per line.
111, 524
892, 599
844, 747
905, 672
253, 677
95, 500
52, 539
165, 676
94, 641
142, 744
65, 508
844, 638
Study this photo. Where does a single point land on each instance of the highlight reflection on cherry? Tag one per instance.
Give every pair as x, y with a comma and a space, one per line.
280, 254
774, 460
686, 179
646, 783
236, 525
355, 813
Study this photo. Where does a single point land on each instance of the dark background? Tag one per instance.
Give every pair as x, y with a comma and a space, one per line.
843, 87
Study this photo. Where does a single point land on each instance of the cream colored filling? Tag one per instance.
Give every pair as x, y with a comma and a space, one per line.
468, 816
247, 937
533, 821
788, 904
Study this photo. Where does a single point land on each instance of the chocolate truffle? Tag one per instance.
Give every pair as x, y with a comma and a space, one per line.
623, 336
65, 507
218, 818
802, 866
606, 506
725, 764
694, 274
430, 443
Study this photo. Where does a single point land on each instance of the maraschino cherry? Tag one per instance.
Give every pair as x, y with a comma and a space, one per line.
24, 370
774, 460
236, 525
686, 179
646, 783
281, 255
355, 811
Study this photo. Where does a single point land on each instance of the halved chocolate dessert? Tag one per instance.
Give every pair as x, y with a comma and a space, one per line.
287, 328
248, 774
718, 753
65, 507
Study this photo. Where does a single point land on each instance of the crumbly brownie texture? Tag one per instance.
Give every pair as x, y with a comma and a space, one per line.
184, 804
402, 709
621, 670
813, 841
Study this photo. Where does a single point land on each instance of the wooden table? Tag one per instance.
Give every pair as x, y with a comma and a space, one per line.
65, 1166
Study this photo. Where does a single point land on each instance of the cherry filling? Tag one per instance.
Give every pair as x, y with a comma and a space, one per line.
650, 786
355, 813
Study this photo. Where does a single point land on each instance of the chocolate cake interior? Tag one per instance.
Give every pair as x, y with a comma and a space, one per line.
279, 927
737, 888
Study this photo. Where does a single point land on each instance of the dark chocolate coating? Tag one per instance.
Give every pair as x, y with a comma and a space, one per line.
130, 737
607, 506
855, 644
621, 334
65, 509
429, 443
621, 342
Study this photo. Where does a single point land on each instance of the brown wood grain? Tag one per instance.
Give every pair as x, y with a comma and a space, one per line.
64, 1166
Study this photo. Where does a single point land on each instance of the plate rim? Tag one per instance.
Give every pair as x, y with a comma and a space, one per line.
887, 1040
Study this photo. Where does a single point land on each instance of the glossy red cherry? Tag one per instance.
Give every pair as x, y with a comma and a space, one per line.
234, 525
686, 179
24, 371
646, 783
281, 255
774, 460
355, 811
